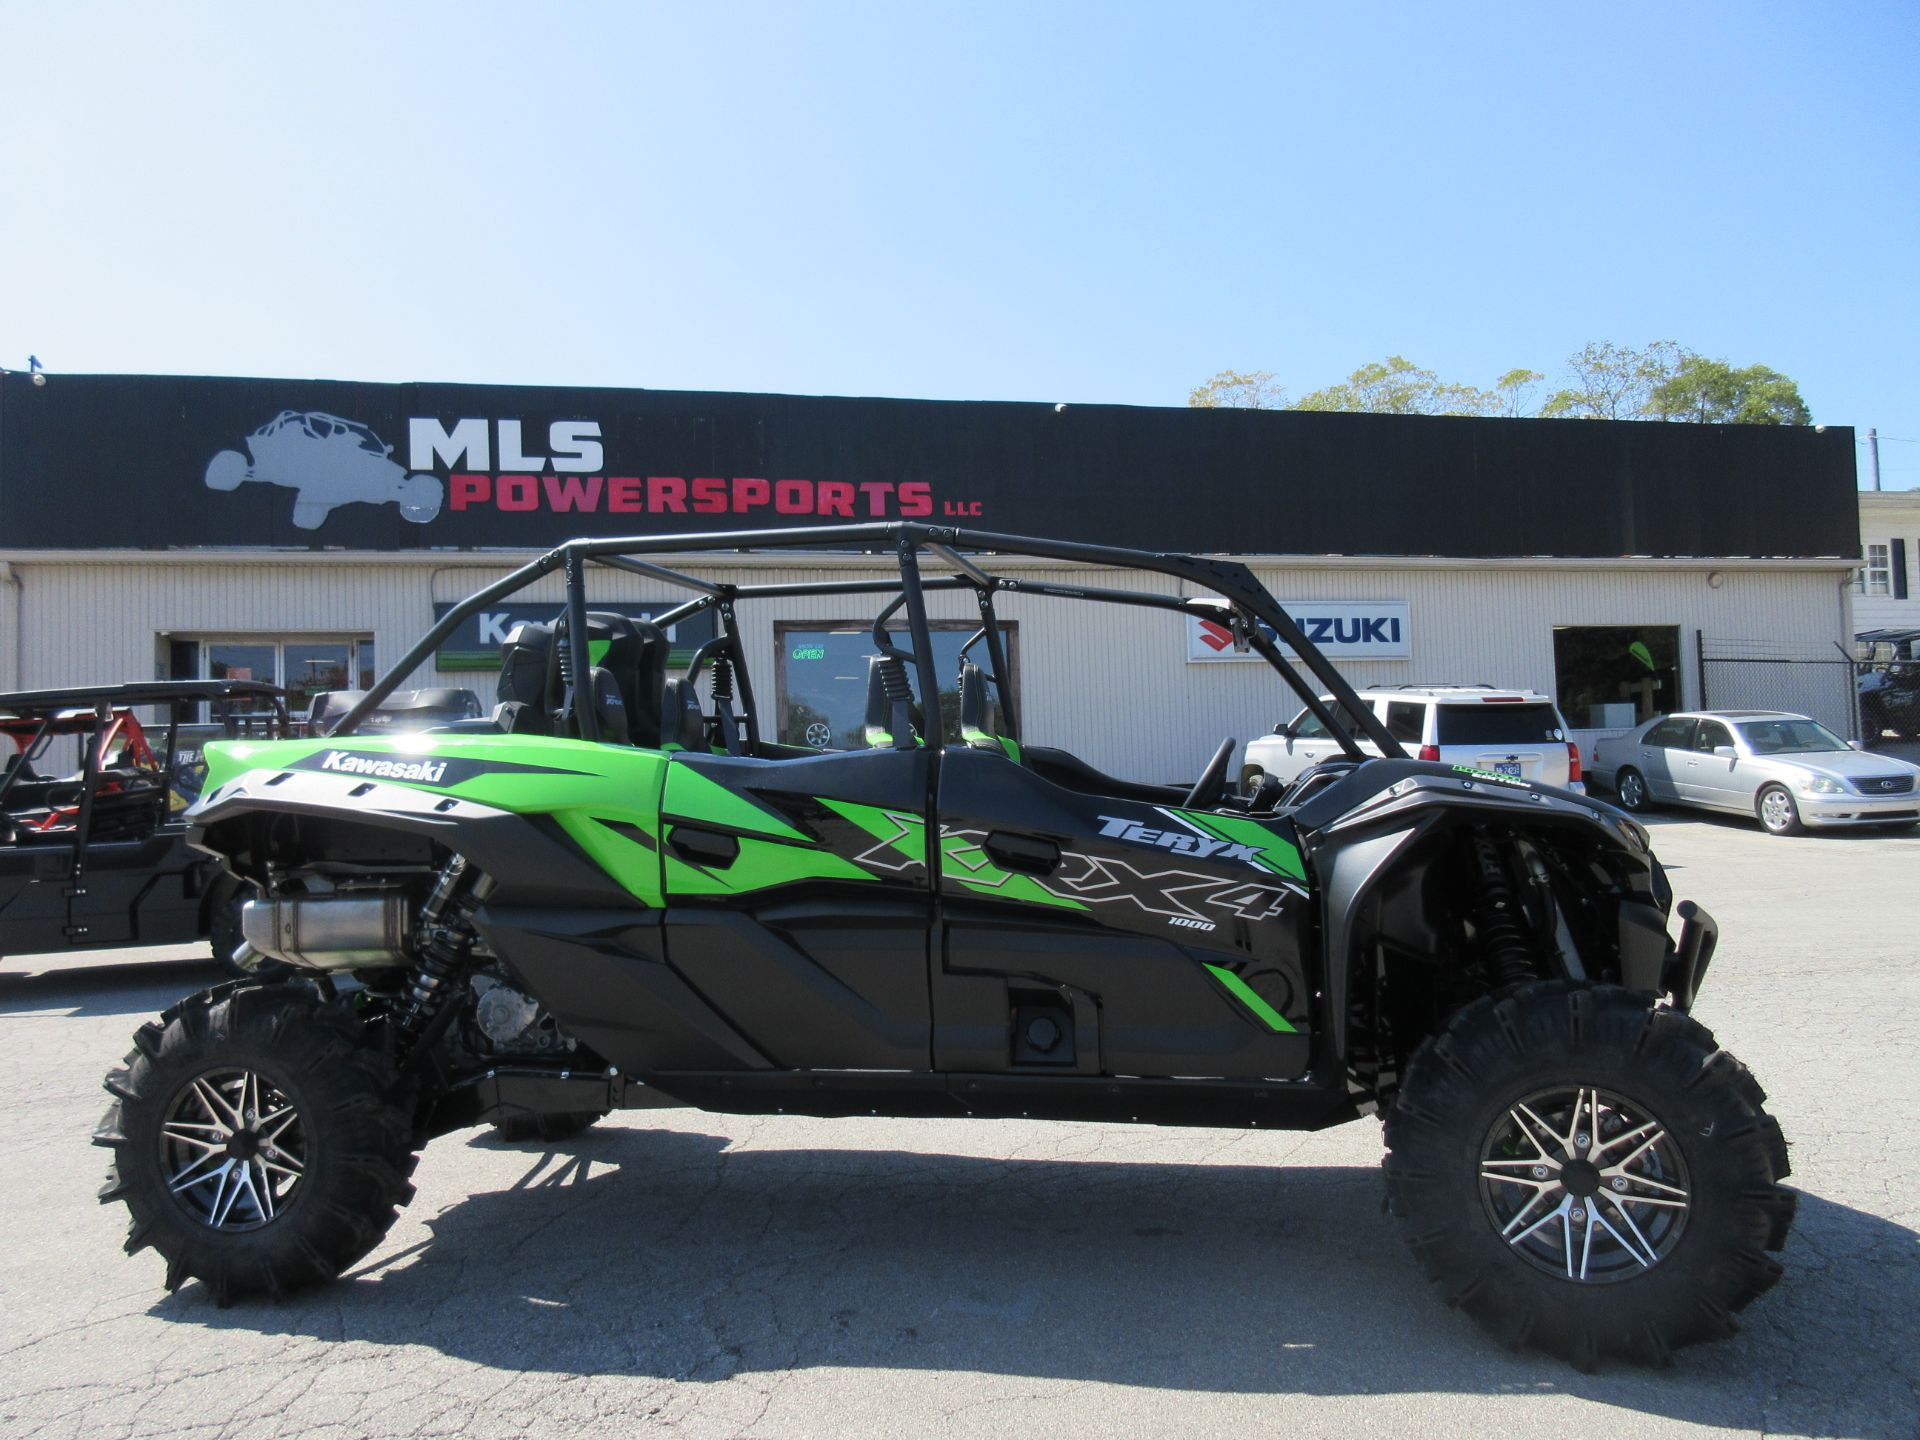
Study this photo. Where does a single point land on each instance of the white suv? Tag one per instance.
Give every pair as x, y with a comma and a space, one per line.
1507, 732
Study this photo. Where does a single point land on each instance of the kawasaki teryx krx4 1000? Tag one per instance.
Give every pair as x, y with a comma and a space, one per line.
619, 892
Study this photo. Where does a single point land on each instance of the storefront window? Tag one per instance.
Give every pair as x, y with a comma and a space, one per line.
304, 667
822, 677
1612, 677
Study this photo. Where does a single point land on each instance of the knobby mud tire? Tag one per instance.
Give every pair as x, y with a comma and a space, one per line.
358, 1138
1505, 1047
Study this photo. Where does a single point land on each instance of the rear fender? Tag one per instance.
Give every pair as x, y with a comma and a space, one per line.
286, 818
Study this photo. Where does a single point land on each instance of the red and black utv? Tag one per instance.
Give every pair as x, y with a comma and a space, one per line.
92, 852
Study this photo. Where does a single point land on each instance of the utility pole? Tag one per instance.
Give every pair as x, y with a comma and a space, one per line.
1873, 454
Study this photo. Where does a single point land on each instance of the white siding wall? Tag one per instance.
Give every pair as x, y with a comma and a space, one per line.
1885, 517
1113, 684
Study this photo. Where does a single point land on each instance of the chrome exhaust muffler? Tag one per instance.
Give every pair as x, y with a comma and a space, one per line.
354, 931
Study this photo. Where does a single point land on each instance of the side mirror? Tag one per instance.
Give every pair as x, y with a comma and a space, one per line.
1725, 752
1856, 744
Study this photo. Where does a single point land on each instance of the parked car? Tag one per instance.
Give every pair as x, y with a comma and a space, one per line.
1516, 733
1786, 770
98, 858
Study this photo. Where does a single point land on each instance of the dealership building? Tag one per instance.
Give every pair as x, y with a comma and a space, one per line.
308, 532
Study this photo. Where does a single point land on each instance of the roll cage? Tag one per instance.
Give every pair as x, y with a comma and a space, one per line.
102, 718
1244, 604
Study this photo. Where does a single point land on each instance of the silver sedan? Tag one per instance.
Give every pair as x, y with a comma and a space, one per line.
1787, 771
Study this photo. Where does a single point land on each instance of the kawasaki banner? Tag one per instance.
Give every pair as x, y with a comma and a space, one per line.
475, 643
1343, 629
160, 462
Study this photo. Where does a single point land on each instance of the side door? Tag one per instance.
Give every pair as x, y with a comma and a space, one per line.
1659, 749
1704, 778
1112, 933
798, 903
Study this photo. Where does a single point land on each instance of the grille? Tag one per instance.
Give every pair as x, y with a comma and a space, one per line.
1884, 784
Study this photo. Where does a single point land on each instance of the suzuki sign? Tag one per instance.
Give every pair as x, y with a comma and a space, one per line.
1343, 629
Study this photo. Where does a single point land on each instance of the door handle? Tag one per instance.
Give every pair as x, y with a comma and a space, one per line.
1028, 854
703, 847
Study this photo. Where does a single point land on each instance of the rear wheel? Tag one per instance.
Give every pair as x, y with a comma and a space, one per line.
1585, 1173
1778, 814
258, 1144
1631, 788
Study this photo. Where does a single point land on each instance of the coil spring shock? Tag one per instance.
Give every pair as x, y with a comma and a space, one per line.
446, 948
1503, 935
722, 683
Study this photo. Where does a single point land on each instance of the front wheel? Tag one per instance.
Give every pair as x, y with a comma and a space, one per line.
1631, 788
1778, 814
258, 1143
1583, 1172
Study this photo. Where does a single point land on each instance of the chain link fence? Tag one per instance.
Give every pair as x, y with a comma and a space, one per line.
1771, 675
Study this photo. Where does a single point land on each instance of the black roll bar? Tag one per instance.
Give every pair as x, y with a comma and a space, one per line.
1229, 578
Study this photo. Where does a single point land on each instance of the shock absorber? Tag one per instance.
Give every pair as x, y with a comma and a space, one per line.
446, 949
1502, 926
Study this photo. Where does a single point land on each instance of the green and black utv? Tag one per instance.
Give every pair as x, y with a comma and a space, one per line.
618, 892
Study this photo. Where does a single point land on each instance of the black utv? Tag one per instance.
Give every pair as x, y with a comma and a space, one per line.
619, 891
93, 847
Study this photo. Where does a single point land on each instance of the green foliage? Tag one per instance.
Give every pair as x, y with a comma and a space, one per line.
1399, 387
1515, 392
1614, 382
1606, 382
1237, 390
1712, 392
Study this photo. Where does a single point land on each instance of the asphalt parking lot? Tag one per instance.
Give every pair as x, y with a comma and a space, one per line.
717, 1276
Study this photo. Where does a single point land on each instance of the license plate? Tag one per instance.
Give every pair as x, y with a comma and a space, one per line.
1509, 768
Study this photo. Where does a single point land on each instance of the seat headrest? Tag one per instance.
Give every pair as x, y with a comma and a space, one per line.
528, 676
682, 722
634, 653
976, 718
889, 705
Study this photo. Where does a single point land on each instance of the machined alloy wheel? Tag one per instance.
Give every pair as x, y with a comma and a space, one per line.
233, 1149
1778, 814
1584, 1171
1632, 790
261, 1141
1584, 1184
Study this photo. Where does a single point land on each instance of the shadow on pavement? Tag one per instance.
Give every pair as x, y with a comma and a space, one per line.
140, 987
662, 1254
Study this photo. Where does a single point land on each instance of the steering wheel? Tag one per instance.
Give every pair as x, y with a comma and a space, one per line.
1211, 787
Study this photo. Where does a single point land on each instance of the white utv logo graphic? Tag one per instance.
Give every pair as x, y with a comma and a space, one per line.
345, 762
327, 462
1200, 847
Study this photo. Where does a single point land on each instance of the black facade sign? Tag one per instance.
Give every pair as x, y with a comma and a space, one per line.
156, 462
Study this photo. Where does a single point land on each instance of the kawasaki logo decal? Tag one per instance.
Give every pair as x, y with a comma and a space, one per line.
427, 772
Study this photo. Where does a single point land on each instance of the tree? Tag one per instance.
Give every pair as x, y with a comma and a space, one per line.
1614, 382
1399, 387
1237, 390
1712, 392
1610, 382
1515, 392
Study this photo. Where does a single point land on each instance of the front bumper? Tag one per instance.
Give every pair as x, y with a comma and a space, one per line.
1837, 810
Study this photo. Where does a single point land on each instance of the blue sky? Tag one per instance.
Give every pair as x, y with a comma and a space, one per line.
988, 201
